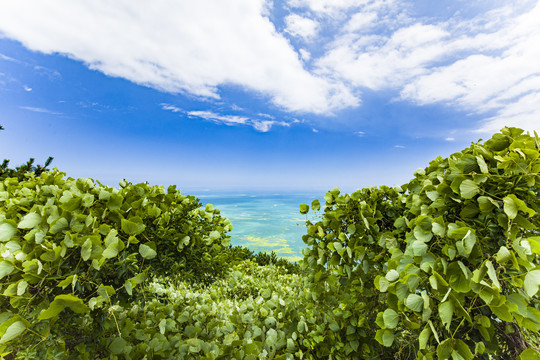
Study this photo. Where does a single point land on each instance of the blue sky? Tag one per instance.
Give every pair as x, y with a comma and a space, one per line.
259, 94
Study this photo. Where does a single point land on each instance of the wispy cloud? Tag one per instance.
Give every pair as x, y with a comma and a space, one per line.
399, 146
50, 73
27, 88
229, 120
171, 108
233, 120
40, 110
8, 58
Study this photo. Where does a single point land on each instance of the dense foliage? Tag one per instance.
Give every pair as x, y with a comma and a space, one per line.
445, 266
20, 171
76, 244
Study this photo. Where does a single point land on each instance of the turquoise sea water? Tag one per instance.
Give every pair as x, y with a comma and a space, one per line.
265, 222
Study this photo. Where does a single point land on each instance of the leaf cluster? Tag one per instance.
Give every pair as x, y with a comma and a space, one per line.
20, 171
69, 248
446, 266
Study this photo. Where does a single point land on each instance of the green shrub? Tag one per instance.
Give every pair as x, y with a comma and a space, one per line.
20, 171
447, 265
71, 247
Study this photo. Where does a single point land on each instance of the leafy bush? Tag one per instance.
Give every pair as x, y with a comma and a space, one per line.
20, 171
446, 266
236, 254
75, 244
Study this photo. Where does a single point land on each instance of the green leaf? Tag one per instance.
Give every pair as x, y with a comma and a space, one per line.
54, 309
414, 302
446, 311
418, 248
391, 318
529, 354
479, 348
304, 208
118, 345
503, 255
111, 250
21, 287
392, 275
482, 164
316, 205
115, 201
133, 226
86, 250
29, 221
462, 349
513, 204
458, 277
388, 338
468, 189
129, 287
485, 203
510, 207
493, 274
87, 200
424, 337
13, 331
5, 268
7, 231
73, 302
532, 282
385, 337
58, 225
66, 282
469, 241
147, 251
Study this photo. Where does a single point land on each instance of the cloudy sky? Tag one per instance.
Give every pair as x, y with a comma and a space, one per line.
261, 94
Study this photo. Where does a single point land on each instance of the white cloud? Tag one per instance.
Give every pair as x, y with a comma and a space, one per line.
399, 146
7, 58
301, 26
485, 65
360, 133
501, 73
230, 120
361, 21
333, 6
450, 139
376, 62
177, 46
26, 88
304, 54
40, 110
171, 108
234, 120
236, 108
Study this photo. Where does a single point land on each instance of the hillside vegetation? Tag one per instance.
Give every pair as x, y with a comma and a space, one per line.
446, 266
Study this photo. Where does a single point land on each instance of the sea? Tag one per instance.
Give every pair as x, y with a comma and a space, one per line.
265, 222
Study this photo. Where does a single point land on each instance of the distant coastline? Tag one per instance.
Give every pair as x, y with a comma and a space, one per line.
264, 220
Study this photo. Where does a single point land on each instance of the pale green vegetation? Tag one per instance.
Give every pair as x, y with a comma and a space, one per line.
446, 266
